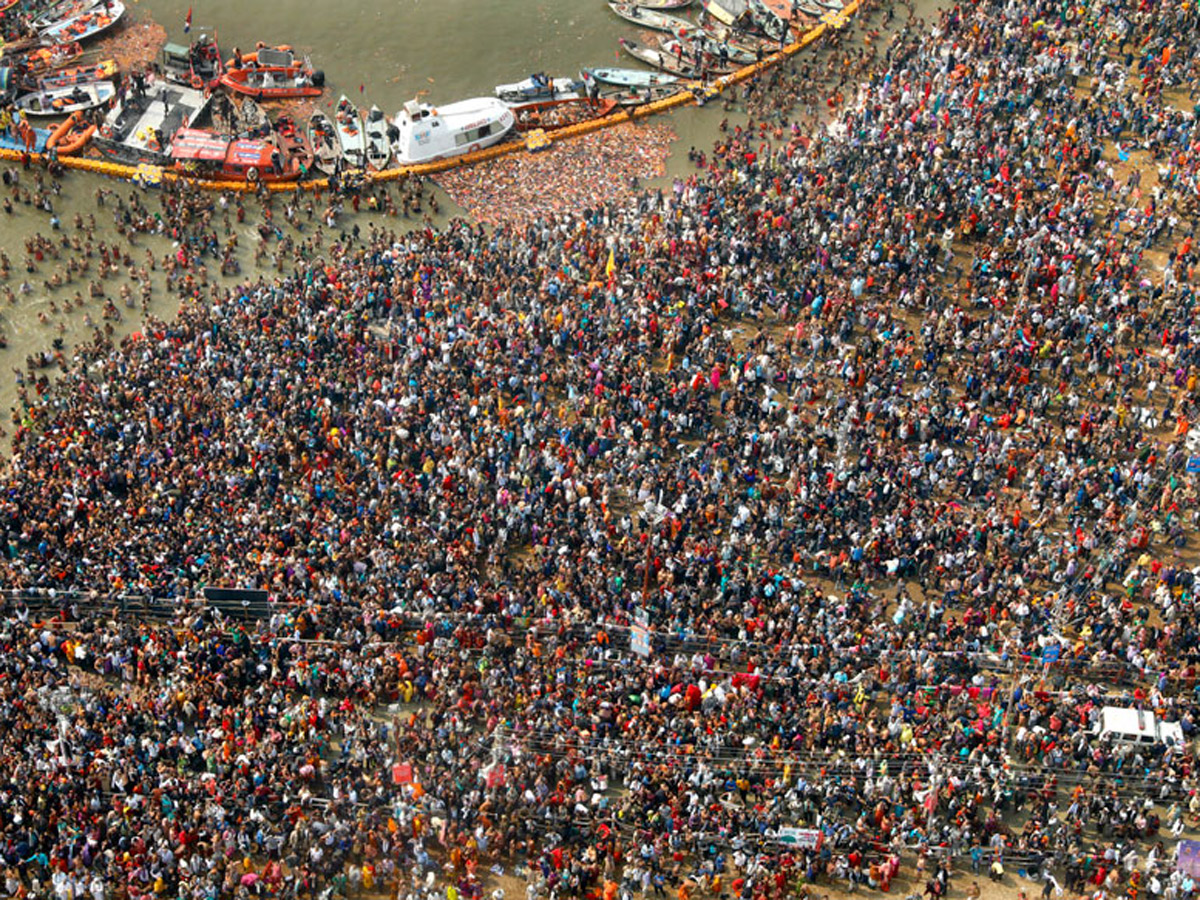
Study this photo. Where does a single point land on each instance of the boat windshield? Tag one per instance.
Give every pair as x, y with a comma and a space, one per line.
473, 134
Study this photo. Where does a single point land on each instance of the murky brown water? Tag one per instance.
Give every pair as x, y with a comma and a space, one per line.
393, 49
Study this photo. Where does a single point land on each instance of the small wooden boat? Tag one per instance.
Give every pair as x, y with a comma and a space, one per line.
724, 52
658, 58
42, 59
273, 83
350, 133
71, 135
748, 15
722, 33
64, 100
665, 4
653, 19
552, 116
61, 11
536, 88
379, 147
72, 75
88, 25
673, 57
326, 148
293, 142
249, 119
795, 12
702, 56
627, 78
638, 96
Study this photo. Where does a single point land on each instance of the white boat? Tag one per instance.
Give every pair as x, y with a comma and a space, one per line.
350, 134
536, 87
326, 148
427, 132
379, 148
87, 25
65, 100
627, 77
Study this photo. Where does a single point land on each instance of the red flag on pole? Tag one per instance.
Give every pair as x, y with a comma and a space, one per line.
187, 23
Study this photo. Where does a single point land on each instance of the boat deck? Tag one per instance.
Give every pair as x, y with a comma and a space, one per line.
135, 120
15, 143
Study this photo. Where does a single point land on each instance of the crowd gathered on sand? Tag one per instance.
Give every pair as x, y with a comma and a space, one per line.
783, 529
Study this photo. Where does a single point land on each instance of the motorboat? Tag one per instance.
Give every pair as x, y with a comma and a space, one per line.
426, 133
139, 128
627, 78
274, 82
198, 65
350, 133
62, 101
379, 147
87, 25
196, 153
536, 87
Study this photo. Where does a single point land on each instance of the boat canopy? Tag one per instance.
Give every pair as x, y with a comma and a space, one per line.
203, 146
246, 152
269, 56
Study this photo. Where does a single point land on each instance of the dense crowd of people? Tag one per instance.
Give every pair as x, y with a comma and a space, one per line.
882, 435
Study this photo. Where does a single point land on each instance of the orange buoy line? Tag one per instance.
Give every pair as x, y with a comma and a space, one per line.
697, 94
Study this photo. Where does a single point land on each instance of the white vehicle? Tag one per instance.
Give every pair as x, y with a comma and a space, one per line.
1135, 726
427, 133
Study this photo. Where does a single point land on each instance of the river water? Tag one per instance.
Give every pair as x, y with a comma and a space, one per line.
393, 50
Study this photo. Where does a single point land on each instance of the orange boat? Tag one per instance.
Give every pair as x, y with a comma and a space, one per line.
271, 56
275, 82
71, 135
205, 154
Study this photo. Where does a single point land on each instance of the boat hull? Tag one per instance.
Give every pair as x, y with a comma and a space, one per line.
629, 78
350, 134
88, 25
285, 83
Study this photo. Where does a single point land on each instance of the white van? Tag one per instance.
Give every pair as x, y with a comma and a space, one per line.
1135, 726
